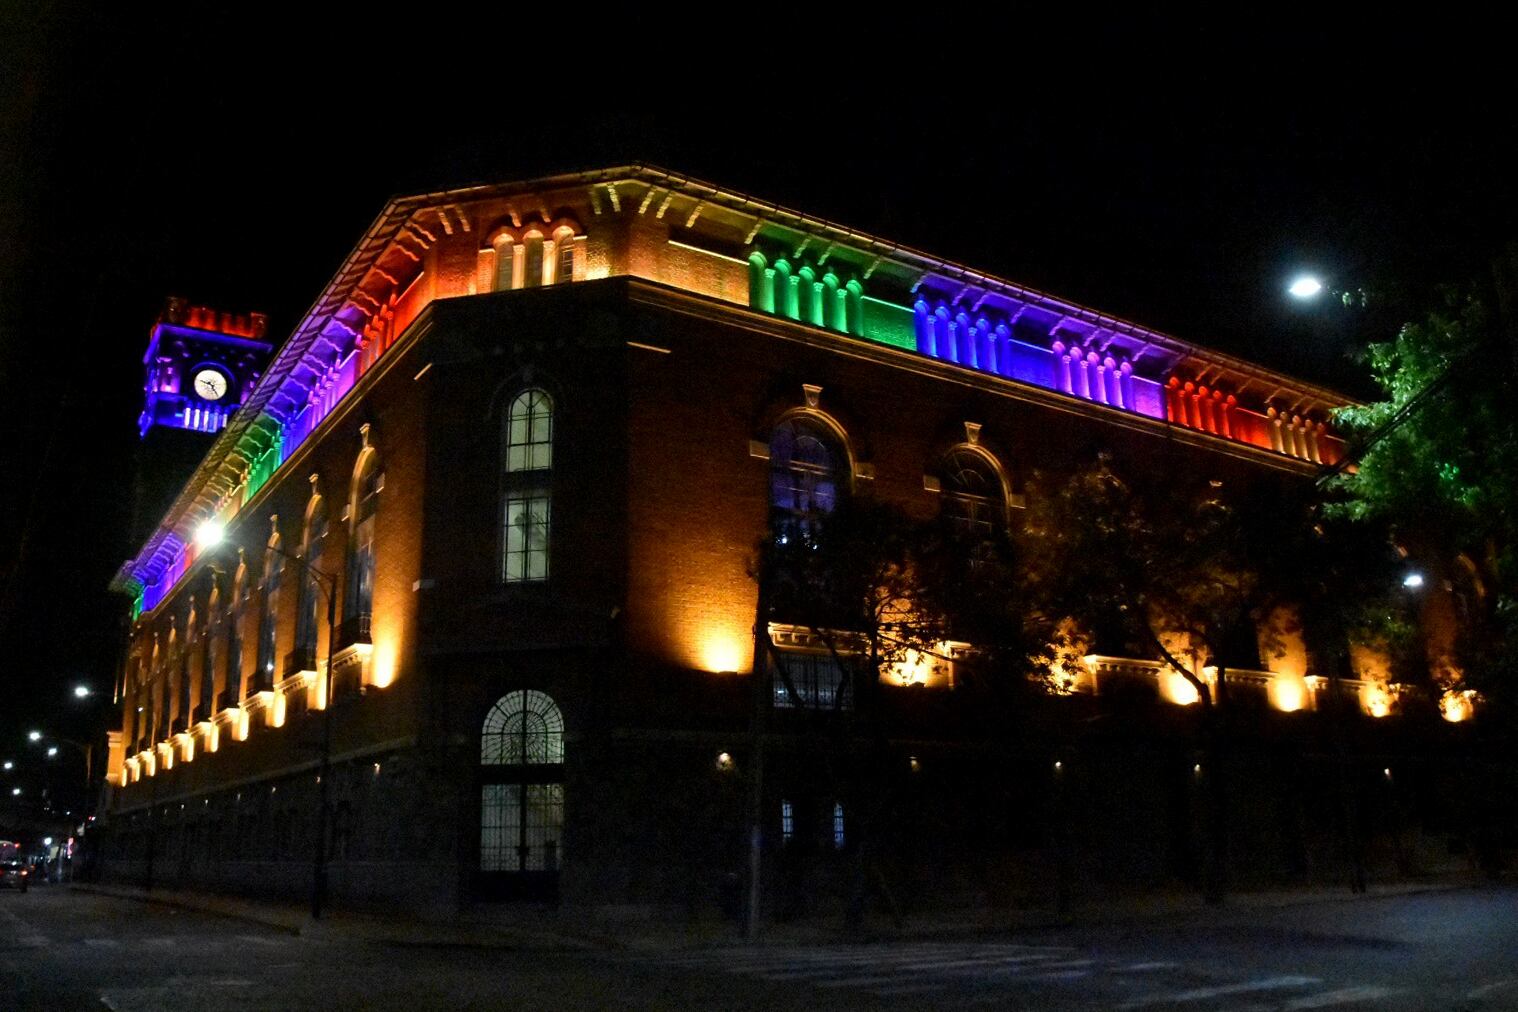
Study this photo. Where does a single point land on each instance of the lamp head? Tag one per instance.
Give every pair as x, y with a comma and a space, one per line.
209, 534
1305, 286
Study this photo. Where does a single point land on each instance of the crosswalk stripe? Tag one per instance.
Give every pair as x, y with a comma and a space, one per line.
901, 989
819, 971
1222, 990
1343, 996
1061, 975
855, 981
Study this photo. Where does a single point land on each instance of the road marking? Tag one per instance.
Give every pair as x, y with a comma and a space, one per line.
1343, 996
1222, 990
1496, 985
856, 981
1147, 967
262, 940
819, 971
1062, 975
886, 992
103, 943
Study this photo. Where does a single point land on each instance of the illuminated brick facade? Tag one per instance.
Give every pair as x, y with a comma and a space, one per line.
667, 326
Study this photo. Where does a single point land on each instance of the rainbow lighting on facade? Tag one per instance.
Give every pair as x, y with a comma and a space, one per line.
643, 222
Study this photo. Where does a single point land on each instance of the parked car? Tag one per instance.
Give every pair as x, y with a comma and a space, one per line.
14, 873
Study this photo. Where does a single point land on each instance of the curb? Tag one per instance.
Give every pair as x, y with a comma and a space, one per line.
206, 905
483, 936
377, 931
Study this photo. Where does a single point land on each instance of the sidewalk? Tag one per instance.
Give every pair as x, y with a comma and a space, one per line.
512, 928
296, 919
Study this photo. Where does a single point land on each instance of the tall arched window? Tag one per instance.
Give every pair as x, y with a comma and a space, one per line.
154, 691
532, 268
505, 262
309, 611
164, 726
358, 602
564, 255
974, 501
522, 794
237, 611
268, 618
806, 472
185, 703
527, 481
208, 638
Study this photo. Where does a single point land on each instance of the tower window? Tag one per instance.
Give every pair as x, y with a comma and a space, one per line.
527, 504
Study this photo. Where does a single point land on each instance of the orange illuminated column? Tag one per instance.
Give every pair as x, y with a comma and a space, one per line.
1285, 656
1372, 665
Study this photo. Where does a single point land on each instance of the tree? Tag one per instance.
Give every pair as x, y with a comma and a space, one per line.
884, 593
1439, 467
1194, 573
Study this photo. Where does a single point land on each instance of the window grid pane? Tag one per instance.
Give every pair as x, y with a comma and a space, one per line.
542, 827
527, 522
529, 432
523, 727
818, 681
500, 826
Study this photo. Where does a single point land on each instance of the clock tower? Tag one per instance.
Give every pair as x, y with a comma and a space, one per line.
199, 366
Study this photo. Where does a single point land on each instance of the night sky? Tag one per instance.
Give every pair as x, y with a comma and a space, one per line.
1164, 176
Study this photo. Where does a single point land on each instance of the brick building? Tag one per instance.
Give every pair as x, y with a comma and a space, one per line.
529, 436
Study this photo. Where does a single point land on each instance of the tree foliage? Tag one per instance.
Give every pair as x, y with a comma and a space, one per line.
1439, 469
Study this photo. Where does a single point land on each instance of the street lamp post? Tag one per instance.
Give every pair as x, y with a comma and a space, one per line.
87, 751
208, 536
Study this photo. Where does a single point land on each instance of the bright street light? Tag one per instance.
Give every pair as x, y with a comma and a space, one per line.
52, 751
1305, 287
9, 765
81, 691
34, 736
15, 792
209, 534
1412, 581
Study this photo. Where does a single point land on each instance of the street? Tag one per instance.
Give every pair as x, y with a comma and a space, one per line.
1437, 950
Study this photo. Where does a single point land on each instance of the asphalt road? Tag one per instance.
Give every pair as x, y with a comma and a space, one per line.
1447, 951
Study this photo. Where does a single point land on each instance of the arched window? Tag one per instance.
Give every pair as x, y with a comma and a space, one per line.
208, 638
564, 255
268, 618
523, 728
527, 480
237, 610
522, 796
505, 263
532, 268
358, 602
974, 501
166, 689
309, 611
806, 471
185, 702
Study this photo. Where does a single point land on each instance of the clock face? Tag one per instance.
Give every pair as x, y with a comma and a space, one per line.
210, 385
